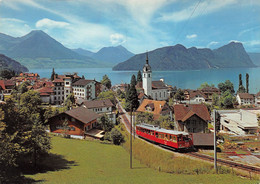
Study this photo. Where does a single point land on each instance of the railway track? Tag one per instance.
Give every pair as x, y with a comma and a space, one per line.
250, 169
226, 162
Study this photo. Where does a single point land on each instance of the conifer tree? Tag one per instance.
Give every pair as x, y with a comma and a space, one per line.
247, 82
133, 80
139, 77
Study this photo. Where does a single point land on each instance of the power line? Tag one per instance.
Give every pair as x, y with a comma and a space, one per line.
177, 38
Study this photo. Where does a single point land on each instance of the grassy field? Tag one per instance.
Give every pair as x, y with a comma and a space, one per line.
81, 161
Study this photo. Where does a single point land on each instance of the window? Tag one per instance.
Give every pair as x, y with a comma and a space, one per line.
149, 75
67, 83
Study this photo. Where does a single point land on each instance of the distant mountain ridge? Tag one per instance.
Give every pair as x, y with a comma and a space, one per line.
179, 57
255, 57
38, 50
7, 63
113, 55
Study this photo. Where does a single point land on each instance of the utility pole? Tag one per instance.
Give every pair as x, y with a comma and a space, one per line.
215, 141
131, 137
134, 122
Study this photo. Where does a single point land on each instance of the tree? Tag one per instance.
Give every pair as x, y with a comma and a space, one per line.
165, 122
116, 136
139, 76
48, 114
39, 141
106, 81
205, 84
70, 101
226, 86
105, 123
133, 80
144, 117
107, 95
227, 100
241, 88
179, 96
7, 74
215, 99
247, 82
132, 98
53, 75
30, 101
240, 80
22, 88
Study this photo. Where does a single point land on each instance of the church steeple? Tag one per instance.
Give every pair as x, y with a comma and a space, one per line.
147, 67
147, 77
147, 58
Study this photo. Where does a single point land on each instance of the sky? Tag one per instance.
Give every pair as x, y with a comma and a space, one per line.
138, 25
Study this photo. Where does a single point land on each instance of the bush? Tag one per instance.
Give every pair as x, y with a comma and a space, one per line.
116, 137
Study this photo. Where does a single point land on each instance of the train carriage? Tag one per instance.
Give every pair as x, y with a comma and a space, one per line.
170, 138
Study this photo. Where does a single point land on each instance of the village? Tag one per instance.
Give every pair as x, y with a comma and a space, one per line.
82, 102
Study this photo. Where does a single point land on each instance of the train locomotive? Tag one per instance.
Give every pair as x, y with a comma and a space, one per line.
170, 138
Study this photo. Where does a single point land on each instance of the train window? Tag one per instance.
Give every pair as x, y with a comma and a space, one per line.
171, 137
174, 138
156, 134
152, 133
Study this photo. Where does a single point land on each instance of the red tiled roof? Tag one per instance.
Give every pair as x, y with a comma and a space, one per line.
45, 90
195, 93
157, 107
257, 94
184, 112
245, 96
58, 80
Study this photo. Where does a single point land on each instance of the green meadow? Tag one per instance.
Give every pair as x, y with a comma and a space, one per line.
82, 161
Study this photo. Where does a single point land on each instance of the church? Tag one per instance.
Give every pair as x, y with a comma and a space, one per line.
156, 90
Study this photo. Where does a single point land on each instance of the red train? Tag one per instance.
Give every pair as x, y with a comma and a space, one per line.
170, 138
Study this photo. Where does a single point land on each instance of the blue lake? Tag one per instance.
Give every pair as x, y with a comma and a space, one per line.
181, 79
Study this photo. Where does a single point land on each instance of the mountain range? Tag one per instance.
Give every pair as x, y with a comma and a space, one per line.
38, 50
179, 57
7, 63
113, 55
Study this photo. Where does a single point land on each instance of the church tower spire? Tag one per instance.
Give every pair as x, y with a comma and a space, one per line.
147, 77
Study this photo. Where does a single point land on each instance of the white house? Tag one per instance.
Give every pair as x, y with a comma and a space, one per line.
257, 99
245, 99
157, 90
85, 89
101, 107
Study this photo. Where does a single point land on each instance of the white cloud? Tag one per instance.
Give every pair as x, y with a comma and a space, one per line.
252, 43
14, 27
191, 36
117, 39
203, 8
47, 23
235, 41
213, 43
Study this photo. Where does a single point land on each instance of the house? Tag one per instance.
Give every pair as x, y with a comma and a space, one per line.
194, 97
141, 97
157, 108
76, 122
85, 89
257, 99
6, 88
58, 90
191, 118
46, 94
208, 92
101, 107
245, 99
157, 90
239, 122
